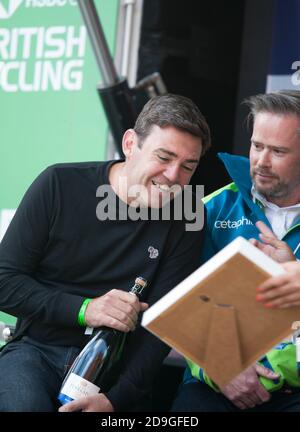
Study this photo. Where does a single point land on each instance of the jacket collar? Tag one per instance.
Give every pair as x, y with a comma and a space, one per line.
238, 167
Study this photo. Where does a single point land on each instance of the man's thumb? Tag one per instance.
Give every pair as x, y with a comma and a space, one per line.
143, 306
265, 372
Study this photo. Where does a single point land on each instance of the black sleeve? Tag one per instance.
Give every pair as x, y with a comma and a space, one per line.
144, 353
21, 250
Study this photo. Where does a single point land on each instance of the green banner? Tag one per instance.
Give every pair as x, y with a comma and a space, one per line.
50, 111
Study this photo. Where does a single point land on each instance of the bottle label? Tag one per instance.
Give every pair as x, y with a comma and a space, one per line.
76, 387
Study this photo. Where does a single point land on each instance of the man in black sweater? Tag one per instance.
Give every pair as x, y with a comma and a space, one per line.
79, 238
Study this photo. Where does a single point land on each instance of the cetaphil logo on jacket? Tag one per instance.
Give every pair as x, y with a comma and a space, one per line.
8, 8
232, 224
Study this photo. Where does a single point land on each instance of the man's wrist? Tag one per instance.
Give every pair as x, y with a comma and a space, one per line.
81, 314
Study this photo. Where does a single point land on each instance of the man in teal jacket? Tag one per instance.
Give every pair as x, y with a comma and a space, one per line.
263, 204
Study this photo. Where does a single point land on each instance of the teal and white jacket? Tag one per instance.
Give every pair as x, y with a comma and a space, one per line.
231, 212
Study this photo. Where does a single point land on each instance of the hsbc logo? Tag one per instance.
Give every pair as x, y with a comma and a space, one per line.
9, 7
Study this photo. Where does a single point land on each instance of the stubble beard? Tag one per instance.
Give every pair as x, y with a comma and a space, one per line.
279, 190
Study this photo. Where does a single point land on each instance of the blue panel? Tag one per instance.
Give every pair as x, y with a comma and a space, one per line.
286, 37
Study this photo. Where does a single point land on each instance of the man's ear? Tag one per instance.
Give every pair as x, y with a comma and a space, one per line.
128, 143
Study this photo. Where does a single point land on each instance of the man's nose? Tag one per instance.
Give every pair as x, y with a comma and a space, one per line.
264, 159
172, 173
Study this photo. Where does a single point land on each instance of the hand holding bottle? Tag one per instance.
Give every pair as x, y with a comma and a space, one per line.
93, 403
111, 313
116, 309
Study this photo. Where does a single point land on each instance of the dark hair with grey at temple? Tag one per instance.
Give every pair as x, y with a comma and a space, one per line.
173, 110
285, 102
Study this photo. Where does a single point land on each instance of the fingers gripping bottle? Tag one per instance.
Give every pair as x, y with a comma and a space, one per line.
96, 359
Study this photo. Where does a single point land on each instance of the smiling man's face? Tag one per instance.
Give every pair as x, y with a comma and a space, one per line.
166, 159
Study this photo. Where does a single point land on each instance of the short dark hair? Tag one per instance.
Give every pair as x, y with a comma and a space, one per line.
173, 110
280, 102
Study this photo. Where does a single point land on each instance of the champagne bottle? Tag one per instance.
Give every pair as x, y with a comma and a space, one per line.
96, 359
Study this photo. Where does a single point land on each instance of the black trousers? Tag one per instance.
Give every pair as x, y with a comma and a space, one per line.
199, 397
